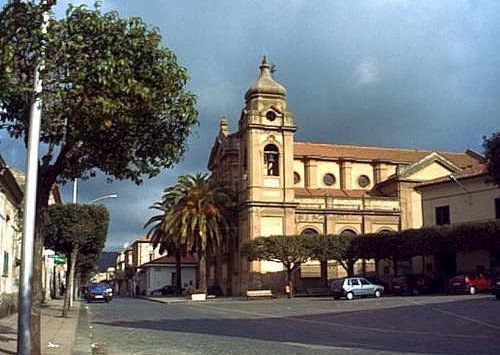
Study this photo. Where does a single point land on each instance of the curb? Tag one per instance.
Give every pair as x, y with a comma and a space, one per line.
81, 346
163, 300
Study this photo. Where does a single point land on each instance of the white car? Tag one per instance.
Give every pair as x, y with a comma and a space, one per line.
351, 287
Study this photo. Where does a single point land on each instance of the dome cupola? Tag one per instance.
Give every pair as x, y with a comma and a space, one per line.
265, 84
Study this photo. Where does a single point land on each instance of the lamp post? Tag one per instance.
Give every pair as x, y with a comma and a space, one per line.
453, 178
24, 326
102, 198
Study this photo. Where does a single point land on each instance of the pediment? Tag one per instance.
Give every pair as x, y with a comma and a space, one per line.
430, 167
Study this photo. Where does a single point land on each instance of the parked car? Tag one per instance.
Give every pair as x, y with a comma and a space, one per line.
351, 287
412, 285
165, 290
374, 279
98, 292
109, 289
495, 287
468, 283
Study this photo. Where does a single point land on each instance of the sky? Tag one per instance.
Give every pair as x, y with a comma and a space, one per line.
395, 73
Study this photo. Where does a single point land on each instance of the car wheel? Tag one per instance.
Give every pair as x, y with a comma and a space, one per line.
472, 290
350, 295
415, 292
378, 294
498, 297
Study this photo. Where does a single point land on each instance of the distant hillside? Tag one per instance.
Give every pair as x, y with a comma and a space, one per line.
106, 259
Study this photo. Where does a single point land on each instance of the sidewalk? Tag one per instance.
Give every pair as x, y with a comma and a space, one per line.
59, 335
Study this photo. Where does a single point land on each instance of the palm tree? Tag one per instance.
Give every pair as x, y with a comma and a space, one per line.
193, 218
200, 210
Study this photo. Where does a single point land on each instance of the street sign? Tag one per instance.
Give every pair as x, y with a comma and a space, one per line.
58, 259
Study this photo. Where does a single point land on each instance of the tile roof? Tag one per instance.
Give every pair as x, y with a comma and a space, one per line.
169, 259
469, 172
378, 153
144, 238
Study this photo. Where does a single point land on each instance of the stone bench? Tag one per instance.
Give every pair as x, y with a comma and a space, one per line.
259, 293
318, 291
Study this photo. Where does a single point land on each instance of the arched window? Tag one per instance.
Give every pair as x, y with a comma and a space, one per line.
385, 230
309, 231
349, 232
271, 160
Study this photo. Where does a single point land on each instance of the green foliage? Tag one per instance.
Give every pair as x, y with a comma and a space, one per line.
113, 97
491, 147
347, 249
70, 225
290, 250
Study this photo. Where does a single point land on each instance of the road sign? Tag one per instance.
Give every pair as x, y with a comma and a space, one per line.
58, 259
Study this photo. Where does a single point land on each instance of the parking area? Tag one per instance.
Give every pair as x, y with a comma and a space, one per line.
437, 324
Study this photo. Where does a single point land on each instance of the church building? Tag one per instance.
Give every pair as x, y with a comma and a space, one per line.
285, 187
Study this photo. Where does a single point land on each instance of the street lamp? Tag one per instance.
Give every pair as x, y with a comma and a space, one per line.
453, 178
102, 198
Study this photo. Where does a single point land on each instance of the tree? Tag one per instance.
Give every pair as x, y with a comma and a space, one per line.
491, 146
113, 99
193, 218
292, 251
323, 248
79, 232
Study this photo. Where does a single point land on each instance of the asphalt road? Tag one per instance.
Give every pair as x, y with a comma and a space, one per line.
459, 324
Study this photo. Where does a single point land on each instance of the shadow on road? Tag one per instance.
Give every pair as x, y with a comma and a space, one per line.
440, 328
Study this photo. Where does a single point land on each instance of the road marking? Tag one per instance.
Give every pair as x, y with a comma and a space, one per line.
344, 350
472, 320
348, 326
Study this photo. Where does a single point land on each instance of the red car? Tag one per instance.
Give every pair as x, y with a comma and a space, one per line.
469, 283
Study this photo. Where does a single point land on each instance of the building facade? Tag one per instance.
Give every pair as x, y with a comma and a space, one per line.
285, 187
141, 268
467, 196
161, 272
11, 197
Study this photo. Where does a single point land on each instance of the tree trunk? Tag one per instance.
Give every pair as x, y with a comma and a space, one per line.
289, 282
69, 282
178, 271
202, 272
218, 267
350, 267
46, 179
53, 291
36, 294
395, 266
324, 272
76, 285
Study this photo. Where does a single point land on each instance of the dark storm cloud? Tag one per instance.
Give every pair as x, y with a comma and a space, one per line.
418, 74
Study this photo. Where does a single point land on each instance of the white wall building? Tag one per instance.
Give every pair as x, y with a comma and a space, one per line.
10, 237
161, 272
469, 196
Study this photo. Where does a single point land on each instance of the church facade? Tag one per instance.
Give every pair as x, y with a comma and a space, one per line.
285, 187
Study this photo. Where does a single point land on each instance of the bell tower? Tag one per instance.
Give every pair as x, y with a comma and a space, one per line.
266, 133
266, 129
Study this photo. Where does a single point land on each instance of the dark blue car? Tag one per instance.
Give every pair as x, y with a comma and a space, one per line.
98, 292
